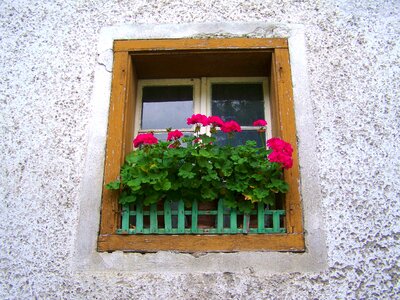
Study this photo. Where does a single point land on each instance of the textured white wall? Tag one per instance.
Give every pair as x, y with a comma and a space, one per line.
48, 57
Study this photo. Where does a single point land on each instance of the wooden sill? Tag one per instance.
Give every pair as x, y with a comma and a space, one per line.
201, 243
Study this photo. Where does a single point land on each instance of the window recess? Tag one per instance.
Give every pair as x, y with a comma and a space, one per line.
207, 61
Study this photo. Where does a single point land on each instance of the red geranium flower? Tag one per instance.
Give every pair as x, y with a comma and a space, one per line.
279, 145
174, 135
198, 119
144, 139
282, 158
215, 121
231, 126
281, 152
260, 123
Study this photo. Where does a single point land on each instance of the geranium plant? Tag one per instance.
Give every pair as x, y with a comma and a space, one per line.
197, 168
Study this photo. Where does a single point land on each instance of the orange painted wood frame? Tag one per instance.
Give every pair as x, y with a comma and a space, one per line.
119, 143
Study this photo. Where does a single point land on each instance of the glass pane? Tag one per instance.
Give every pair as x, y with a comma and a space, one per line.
242, 102
166, 106
239, 138
161, 136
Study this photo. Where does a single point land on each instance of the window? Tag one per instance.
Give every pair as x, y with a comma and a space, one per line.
215, 64
165, 103
243, 99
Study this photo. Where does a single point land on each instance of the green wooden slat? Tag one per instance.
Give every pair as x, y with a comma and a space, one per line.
186, 212
181, 217
125, 218
167, 217
220, 216
139, 217
260, 217
246, 223
201, 231
271, 212
208, 212
139, 213
275, 221
195, 210
153, 218
233, 221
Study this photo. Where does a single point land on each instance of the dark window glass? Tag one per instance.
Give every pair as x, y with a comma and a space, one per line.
240, 138
241, 102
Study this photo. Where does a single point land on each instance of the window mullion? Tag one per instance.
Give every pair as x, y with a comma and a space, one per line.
204, 102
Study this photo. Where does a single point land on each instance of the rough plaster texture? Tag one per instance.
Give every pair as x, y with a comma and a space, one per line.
48, 60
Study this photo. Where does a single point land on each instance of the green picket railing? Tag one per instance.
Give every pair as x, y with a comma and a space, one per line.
177, 220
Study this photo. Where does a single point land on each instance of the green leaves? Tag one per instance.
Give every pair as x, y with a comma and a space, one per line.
201, 171
134, 184
185, 171
278, 185
163, 185
125, 199
114, 185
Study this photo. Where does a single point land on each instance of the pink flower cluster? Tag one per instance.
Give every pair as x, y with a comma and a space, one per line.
174, 135
198, 119
144, 139
281, 152
202, 120
260, 123
214, 121
231, 126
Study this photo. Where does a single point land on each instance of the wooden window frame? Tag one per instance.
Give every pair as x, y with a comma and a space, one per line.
119, 143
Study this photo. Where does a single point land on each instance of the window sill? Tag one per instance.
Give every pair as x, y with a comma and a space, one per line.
202, 243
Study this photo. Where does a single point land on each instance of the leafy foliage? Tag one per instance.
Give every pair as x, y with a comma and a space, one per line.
202, 171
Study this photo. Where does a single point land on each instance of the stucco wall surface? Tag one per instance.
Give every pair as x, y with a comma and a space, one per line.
48, 58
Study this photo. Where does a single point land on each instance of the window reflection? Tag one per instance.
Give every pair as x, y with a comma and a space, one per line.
166, 106
242, 102
239, 138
